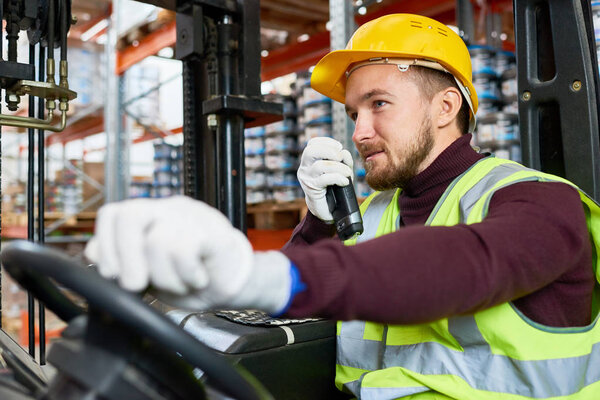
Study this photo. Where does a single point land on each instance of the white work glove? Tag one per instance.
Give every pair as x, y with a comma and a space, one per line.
189, 253
324, 163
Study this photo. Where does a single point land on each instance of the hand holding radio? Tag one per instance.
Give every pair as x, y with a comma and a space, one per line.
324, 163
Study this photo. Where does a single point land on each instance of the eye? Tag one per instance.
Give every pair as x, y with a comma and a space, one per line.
379, 103
352, 116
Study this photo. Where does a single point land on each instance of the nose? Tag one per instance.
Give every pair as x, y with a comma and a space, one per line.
363, 129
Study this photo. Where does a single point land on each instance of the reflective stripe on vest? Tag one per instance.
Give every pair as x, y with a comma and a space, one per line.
474, 194
385, 393
374, 213
568, 374
466, 367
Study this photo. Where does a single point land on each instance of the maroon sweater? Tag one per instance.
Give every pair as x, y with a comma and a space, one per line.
533, 249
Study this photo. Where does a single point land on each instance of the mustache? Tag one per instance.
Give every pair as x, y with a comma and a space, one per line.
366, 149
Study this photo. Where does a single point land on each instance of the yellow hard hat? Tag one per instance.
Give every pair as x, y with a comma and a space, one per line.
398, 36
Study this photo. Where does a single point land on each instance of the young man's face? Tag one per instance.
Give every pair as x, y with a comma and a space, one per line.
393, 129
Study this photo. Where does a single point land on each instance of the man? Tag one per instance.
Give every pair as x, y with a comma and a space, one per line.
476, 274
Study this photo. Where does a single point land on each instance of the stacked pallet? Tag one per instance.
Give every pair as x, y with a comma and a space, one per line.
276, 215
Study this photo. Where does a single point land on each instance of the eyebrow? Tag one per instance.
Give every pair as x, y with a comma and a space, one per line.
369, 94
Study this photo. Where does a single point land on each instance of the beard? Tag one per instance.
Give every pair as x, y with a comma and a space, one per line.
398, 174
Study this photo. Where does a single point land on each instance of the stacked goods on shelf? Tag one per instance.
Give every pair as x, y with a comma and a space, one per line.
275, 200
256, 173
281, 154
485, 80
14, 302
14, 200
52, 197
64, 198
506, 68
85, 76
69, 192
494, 78
168, 172
140, 187
272, 157
70, 189
315, 117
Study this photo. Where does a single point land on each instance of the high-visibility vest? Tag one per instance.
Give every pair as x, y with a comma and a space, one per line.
497, 353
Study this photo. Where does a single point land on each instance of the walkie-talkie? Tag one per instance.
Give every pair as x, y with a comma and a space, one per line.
344, 208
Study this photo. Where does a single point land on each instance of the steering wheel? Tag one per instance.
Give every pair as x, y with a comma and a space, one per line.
31, 265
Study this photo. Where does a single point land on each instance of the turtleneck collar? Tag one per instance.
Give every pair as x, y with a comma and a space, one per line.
422, 192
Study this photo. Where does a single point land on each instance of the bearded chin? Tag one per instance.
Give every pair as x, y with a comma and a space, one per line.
399, 174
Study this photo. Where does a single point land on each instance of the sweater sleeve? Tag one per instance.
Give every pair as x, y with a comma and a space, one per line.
310, 230
534, 234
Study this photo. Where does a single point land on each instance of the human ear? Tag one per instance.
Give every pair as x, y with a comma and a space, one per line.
450, 101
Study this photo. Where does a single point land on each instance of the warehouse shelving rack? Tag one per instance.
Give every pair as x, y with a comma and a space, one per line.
286, 59
280, 61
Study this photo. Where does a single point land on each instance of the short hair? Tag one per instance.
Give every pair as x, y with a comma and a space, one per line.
432, 81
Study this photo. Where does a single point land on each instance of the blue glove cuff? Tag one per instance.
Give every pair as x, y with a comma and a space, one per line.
296, 287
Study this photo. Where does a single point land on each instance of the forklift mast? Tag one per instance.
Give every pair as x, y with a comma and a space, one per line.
219, 45
46, 25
